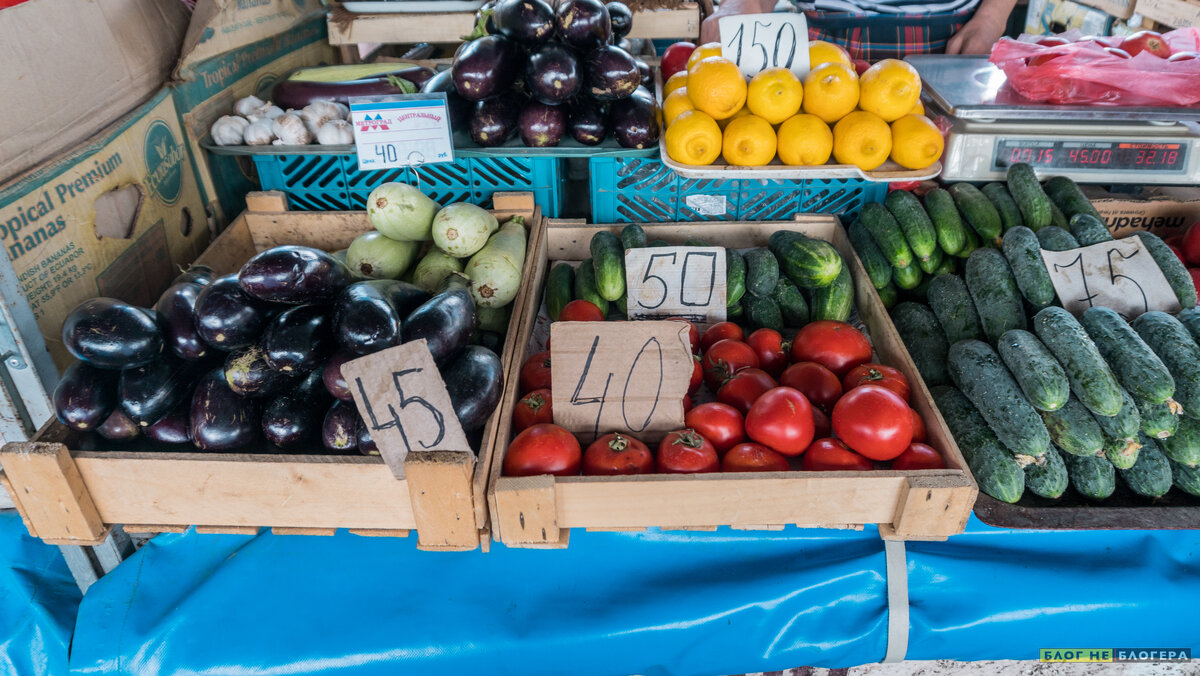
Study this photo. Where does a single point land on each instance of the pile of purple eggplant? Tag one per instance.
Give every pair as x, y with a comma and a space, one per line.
547, 74
252, 361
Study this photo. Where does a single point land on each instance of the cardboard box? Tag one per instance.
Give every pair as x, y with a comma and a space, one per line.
1174, 13
219, 27
77, 65
1163, 210
1119, 9
115, 217
1047, 17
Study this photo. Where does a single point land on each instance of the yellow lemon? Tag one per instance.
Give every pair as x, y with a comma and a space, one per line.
916, 142
805, 140
749, 142
820, 52
830, 91
742, 112
890, 89
918, 109
693, 138
717, 87
774, 94
675, 103
862, 139
703, 52
674, 82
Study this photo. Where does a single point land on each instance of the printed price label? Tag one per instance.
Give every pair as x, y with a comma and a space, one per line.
401, 131
759, 41
676, 281
401, 397
626, 377
1120, 275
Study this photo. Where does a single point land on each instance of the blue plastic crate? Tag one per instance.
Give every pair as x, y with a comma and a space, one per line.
627, 190
333, 182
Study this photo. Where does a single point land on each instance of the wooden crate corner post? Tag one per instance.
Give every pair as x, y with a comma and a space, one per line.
527, 513
440, 488
49, 492
931, 508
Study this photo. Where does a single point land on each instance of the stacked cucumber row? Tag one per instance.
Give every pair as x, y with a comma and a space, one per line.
792, 281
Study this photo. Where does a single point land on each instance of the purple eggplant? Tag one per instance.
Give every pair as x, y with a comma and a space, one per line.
635, 122
588, 122
247, 373
149, 392
367, 315
176, 309
339, 431
621, 19
226, 318
85, 396
646, 73
111, 334
529, 23
366, 445
542, 126
220, 419
474, 380
611, 73
486, 67
331, 375
173, 428
293, 418
494, 120
295, 275
197, 274
446, 321
118, 427
584, 24
300, 339
552, 75
299, 93
460, 108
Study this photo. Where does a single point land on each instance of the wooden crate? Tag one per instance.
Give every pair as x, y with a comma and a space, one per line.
912, 505
72, 497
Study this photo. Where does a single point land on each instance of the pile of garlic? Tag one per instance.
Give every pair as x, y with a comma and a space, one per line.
256, 122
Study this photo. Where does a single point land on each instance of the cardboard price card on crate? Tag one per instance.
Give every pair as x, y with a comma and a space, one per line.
1119, 274
401, 131
626, 377
403, 401
686, 282
759, 41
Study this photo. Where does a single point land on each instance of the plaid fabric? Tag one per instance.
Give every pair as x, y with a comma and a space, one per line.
875, 36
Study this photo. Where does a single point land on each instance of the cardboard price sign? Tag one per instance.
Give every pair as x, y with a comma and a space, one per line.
401, 397
627, 377
1120, 275
676, 281
759, 41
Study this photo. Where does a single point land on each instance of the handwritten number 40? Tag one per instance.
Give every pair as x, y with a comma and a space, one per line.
785, 34
405, 402
651, 356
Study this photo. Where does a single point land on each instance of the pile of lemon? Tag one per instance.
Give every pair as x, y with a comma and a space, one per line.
711, 111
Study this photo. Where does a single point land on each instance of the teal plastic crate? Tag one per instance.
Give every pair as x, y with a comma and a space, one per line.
629, 190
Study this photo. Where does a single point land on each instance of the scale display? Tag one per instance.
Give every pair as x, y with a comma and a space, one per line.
1134, 156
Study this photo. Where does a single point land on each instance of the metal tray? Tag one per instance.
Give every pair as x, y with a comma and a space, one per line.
1125, 510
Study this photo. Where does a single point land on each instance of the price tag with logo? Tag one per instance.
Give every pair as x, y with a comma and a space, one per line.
759, 41
676, 281
401, 131
1119, 274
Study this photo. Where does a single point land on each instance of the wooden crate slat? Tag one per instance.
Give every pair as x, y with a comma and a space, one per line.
46, 483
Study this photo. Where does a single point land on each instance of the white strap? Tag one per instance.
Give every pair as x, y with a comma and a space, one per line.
896, 562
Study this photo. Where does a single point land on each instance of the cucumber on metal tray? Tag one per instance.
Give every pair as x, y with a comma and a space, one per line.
1092, 382
907, 278
951, 233
879, 270
1172, 268
1067, 196
810, 263
1056, 239
922, 335
762, 272
979, 373
633, 236
994, 469
585, 286
1175, 347
1073, 429
1038, 373
1024, 255
1185, 478
1121, 433
1132, 361
834, 301
735, 277
887, 234
1006, 206
994, 291
1027, 191
955, 311
1151, 474
1184, 446
608, 260
1091, 476
1190, 318
762, 313
1048, 479
978, 211
914, 223
560, 289
1159, 421
793, 309
1089, 230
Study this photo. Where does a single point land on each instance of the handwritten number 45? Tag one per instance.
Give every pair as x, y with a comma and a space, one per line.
405, 402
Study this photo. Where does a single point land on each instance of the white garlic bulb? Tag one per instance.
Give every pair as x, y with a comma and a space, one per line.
270, 111
289, 130
248, 106
343, 109
317, 113
335, 132
228, 130
259, 132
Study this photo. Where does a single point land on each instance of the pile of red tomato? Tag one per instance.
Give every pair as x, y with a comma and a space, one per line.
1187, 249
815, 404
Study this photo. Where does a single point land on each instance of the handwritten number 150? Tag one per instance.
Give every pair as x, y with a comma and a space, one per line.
785, 34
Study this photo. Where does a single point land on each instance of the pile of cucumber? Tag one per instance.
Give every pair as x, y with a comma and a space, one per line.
792, 281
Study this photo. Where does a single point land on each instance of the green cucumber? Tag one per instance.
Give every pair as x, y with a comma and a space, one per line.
695, 241
878, 268
608, 259
762, 272
994, 291
930, 265
1151, 474
947, 266
907, 278
914, 223
1039, 374
1089, 230
1121, 433
922, 335
1024, 255
659, 243
793, 309
1048, 479
1159, 421
1184, 446
1092, 476
1065, 194
976, 369
1073, 429
1092, 381
1172, 268
733, 312
951, 234
1190, 318
619, 307
735, 277
1030, 198
887, 234
888, 295
560, 289
970, 244
834, 301
585, 286
633, 237
1185, 478
951, 303
810, 263
1132, 361
1006, 206
1057, 219
993, 467
762, 313
920, 293
1175, 347
1056, 239
978, 211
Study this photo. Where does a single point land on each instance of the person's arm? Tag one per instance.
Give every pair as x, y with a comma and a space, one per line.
710, 30
984, 28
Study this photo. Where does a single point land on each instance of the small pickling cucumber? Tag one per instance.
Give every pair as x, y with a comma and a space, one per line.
914, 223
951, 233
1056, 239
1047, 479
889, 295
978, 211
1172, 268
810, 263
955, 311
1190, 318
1065, 194
762, 272
994, 468
994, 290
560, 289
1038, 373
930, 265
1121, 433
1151, 474
887, 234
1175, 347
907, 278
1024, 254
1006, 206
1159, 421
735, 277
793, 309
762, 313
1092, 381
878, 268
1132, 361
1185, 477
1091, 476
979, 373
834, 301
608, 260
585, 286
1089, 230
922, 335
633, 236
1184, 446
1073, 429
1027, 191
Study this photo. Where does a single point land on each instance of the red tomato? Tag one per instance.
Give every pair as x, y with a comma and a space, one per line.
543, 449
814, 381
837, 346
919, 456
821, 426
744, 388
874, 421
877, 374
693, 334
720, 331
768, 345
614, 454
535, 372
685, 452
861, 66
532, 409
720, 423
1191, 244
697, 375
725, 358
675, 58
918, 423
753, 458
1178, 254
832, 455
687, 403
581, 311
1146, 41
781, 419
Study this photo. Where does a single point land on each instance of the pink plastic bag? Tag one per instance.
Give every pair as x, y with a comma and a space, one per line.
1083, 72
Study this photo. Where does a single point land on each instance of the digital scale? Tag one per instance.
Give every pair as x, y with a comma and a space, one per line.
992, 127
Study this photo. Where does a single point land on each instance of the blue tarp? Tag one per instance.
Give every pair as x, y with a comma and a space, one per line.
38, 602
